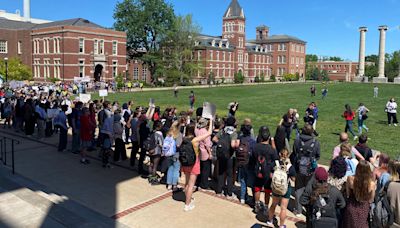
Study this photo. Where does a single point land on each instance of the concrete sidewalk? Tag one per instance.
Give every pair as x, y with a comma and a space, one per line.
118, 194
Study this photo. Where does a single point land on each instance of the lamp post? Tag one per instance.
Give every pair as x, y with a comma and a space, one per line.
6, 62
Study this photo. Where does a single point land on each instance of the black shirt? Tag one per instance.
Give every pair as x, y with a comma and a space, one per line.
266, 150
365, 151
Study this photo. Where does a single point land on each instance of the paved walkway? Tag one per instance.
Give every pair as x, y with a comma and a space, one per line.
52, 189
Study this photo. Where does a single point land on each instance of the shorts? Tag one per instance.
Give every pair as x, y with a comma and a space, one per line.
259, 184
287, 195
86, 144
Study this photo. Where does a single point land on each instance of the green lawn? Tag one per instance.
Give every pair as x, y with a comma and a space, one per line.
265, 105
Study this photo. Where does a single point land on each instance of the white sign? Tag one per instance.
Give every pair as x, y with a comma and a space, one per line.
85, 98
103, 93
209, 110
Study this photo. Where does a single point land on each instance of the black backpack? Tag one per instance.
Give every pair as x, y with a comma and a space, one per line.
305, 157
224, 147
381, 215
187, 155
242, 152
324, 215
150, 143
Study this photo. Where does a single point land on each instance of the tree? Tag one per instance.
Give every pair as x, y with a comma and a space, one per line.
335, 58
177, 51
146, 23
16, 70
238, 78
311, 58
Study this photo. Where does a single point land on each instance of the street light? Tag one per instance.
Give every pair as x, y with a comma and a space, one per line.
6, 62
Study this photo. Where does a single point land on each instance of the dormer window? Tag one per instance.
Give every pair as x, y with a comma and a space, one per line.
220, 44
227, 44
213, 43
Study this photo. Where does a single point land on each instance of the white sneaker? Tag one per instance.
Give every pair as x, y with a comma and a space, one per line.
395, 125
242, 201
298, 215
269, 224
188, 207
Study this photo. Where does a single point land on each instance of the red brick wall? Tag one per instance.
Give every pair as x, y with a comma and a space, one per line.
13, 37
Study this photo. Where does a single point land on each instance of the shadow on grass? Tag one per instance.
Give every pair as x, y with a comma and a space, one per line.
381, 122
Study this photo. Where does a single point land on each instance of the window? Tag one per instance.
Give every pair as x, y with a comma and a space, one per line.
81, 45
136, 73
217, 70
211, 55
223, 57
19, 47
199, 55
144, 74
34, 47
114, 48
230, 70
115, 68
230, 57
81, 68
240, 42
36, 68
101, 47
46, 69
96, 47
240, 58
57, 69
217, 55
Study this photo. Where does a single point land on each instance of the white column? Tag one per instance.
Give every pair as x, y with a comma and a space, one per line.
361, 59
382, 43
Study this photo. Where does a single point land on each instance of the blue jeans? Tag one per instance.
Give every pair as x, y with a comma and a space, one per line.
349, 127
361, 125
173, 171
242, 172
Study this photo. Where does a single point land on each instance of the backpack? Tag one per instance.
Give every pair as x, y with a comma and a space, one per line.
169, 147
224, 147
305, 160
150, 143
280, 179
324, 212
261, 167
242, 152
187, 155
382, 215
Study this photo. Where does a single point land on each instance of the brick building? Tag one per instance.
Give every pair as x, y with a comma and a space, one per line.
223, 56
65, 49
339, 70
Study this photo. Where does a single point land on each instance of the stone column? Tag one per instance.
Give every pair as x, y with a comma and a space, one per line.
382, 42
361, 59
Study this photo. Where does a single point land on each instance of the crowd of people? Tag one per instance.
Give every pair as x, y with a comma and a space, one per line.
359, 189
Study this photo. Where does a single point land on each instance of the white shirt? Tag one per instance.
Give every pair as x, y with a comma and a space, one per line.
391, 107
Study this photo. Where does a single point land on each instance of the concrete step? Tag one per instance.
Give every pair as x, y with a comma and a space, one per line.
24, 203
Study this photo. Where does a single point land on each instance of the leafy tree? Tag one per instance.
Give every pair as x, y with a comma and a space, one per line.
238, 78
311, 58
16, 70
335, 58
290, 77
146, 23
324, 75
177, 50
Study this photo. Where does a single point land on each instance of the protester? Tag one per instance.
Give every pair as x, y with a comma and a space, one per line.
381, 173
205, 153
232, 108
337, 173
282, 200
305, 155
343, 139
349, 115
360, 192
362, 117
86, 134
60, 122
118, 129
364, 150
393, 191
173, 155
190, 145
287, 122
391, 110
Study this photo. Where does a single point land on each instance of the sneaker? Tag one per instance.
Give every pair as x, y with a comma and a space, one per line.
242, 201
395, 125
232, 197
188, 207
269, 224
220, 195
298, 215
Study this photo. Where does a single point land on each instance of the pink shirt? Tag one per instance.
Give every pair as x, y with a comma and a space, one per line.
204, 144
336, 152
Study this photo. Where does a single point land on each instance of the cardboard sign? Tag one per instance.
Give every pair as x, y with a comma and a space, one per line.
103, 93
209, 110
85, 98
151, 101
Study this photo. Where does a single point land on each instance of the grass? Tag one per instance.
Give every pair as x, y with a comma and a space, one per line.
265, 105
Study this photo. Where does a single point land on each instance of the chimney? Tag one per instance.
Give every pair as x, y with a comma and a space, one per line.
27, 10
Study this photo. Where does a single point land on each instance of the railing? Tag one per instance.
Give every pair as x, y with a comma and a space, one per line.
3, 151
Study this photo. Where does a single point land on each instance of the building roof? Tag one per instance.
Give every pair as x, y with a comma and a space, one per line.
234, 10
277, 38
213, 41
80, 22
15, 25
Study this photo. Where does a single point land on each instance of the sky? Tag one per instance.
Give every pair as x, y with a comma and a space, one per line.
330, 28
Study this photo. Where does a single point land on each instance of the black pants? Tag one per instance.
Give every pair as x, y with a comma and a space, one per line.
225, 167
29, 126
392, 116
135, 150
141, 159
120, 151
62, 145
127, 134
205, 169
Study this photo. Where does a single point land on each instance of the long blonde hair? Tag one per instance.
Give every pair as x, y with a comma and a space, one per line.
394, 168
174, 130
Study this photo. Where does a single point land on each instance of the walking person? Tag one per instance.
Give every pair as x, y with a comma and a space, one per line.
190, 146
391, 110
362, 117
192, 99
175, 90
312, 90
349, 115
